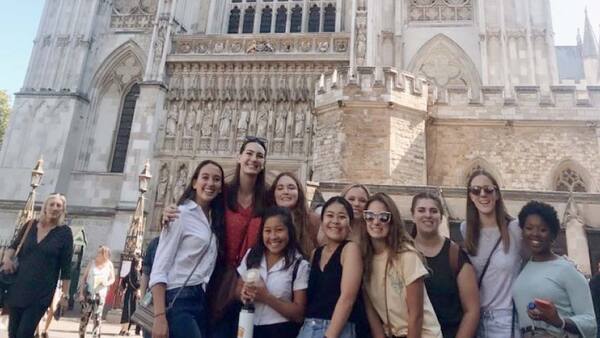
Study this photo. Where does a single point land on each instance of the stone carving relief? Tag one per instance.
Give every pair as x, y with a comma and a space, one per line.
133, 14
180, 182
333, 43
440, 10
361, 35
446, 65
211, 108
442, 69
163, 183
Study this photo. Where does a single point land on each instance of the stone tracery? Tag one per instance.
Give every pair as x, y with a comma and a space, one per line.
440, 10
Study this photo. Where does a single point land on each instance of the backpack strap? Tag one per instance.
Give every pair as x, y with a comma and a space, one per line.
295, 274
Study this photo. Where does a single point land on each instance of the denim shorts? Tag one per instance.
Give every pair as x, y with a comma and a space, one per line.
315, 328
496, 324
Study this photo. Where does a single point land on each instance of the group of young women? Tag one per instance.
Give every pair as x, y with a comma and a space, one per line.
353, 270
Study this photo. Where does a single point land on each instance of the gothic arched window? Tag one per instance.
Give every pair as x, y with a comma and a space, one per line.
329, 19
124, 130
248, 20
281, 20
234, 21
296, 21
265, 20
314, 19
570, 180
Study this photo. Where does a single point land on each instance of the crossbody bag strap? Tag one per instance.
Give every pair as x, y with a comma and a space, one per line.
192, 272
487, 263
387, 310
22, 241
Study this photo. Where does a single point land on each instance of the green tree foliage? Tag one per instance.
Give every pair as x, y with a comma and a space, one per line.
4, 113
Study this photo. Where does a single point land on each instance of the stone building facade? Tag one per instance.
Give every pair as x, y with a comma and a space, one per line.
402, 95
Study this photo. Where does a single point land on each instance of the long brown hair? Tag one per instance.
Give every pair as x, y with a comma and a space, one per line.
217, 205
473, 230
299, 213
397, 240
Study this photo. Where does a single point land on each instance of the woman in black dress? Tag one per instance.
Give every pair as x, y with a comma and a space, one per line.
44, 257
131, 285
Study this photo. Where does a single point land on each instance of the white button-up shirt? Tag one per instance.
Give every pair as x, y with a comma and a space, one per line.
278, 281
180, 247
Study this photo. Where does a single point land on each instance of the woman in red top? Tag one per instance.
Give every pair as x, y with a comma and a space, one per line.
245, 198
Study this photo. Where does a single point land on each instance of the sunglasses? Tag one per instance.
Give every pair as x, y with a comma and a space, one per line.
486, 189
260, 140
383, 217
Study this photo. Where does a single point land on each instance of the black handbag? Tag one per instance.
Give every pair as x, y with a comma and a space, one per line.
7, 279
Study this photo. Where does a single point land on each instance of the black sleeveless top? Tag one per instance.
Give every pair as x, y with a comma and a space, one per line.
324, 287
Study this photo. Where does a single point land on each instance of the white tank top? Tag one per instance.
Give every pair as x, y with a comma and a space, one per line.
97, 279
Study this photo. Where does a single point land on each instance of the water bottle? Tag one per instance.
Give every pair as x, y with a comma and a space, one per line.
246, 321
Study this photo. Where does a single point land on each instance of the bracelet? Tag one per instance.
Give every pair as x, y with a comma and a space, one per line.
159, 314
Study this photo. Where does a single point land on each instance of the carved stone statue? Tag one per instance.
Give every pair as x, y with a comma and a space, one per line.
163, 183
247, 91
361, 40
262, 120
172, 117
180, 182
283, 91
225, 120
229, 90
280, 121
301, 92
159, 43
244, 119
211, 88
190, 122
264, 91
207, 120
299, 120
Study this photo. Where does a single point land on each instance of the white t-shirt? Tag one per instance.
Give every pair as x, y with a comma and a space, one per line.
496, 288
278, 281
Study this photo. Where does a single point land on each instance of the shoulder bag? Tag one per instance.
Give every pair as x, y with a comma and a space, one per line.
8, 279
144, 312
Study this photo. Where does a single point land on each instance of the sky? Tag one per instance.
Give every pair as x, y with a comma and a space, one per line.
19, 21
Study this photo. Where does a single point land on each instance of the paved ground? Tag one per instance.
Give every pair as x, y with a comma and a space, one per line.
68, 326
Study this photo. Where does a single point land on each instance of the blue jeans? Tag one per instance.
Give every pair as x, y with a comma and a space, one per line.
188, 318
315, 328
496, 324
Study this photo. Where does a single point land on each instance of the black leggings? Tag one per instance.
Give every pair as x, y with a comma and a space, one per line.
23, 321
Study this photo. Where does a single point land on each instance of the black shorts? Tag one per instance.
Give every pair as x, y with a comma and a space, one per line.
279, 330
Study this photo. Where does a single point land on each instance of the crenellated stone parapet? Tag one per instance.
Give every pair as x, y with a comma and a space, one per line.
564, 102
333, 46
370, 127
374, 86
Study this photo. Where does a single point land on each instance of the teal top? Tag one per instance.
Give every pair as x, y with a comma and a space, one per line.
559, 282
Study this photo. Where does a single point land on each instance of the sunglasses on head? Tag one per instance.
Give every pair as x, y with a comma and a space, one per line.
383, 217
260, 140
486, 189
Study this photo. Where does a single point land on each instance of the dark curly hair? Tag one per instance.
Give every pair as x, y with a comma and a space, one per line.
545, 211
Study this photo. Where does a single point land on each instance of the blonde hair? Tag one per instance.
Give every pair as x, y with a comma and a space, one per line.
50, 197
105, 251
